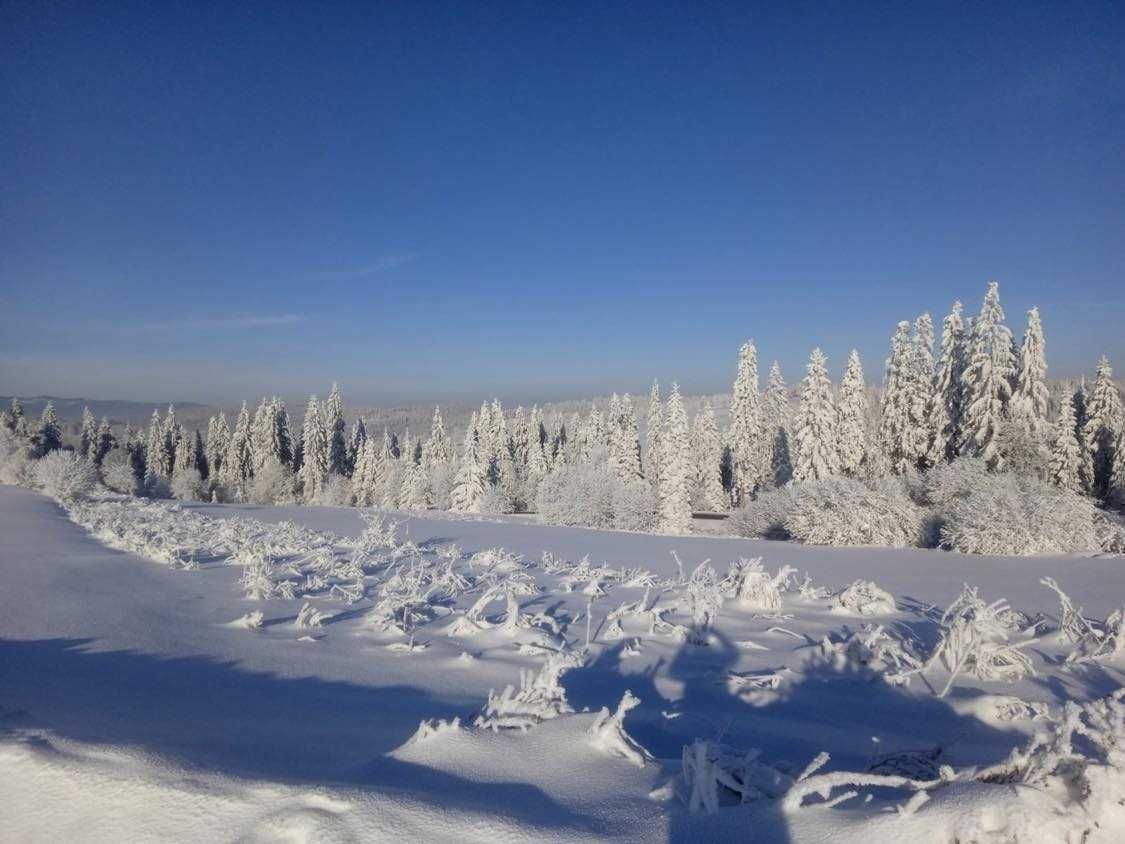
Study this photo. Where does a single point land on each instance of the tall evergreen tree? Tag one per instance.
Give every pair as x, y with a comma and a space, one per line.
336, 433
707, 447
438, 449
624, 446
218, 439
238, 459
894, 422
1031, 397
1104, 418
1086, 462
945, 406
921, 390
778, 427
104, 441
87, 440
50, 433
1066, 450
676, 470
746, 438
355, 443
655, 422
315, 467
987, 380
468, 486
815, 427
851, 433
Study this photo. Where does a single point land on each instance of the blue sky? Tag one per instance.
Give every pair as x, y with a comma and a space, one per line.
432, 201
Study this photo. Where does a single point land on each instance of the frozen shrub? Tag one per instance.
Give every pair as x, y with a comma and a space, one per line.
273, 484
581, 494
864, 598
947, 482
1022, 452
188, 485
841, 511
494, 503
441, 485
336, 491
117, 473
634, 506
155, 487
1014, 514
65, 475
766, 516
607, 733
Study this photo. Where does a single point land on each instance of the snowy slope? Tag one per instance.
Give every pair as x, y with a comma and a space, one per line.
131, 709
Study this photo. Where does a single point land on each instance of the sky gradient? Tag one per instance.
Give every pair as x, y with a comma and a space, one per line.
428, 201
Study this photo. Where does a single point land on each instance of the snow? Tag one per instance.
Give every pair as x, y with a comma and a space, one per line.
143, 701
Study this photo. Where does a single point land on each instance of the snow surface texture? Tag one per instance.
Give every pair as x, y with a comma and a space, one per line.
221, 672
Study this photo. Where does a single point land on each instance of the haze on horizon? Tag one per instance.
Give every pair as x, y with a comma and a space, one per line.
434, 202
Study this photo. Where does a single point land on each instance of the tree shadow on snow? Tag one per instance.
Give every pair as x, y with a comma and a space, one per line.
212, 716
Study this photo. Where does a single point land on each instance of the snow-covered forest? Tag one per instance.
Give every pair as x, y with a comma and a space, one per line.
965, 445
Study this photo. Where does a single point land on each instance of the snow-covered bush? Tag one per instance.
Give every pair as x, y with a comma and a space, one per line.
767, 516
1015, 514
65, 475
441, 485
581, 494
841, 511
188, 485
117, 473
1022, 451
493, 502
634, 506
607, 733
273, 484
947, 482
755, 587
539, 697
864, 598
336, 491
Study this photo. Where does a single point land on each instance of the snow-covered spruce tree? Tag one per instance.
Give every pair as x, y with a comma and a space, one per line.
814, 431
335, 429
263, 443
746, 438
469, 484
438, 449
652, 454
1104, 417
49, 437
537, 464
283, 433
314, 465
1086, 464
1031, 396
155, 446
201, 456
894, 421
945, 405
520, 437
356, 442
987, 380
624, 446
921, 389
707, 448
186, 458
218, 438
777, 428
851, 432
89, 435
104, 441
238, 460
414, 494
676, 470
1066, 450
1116, 493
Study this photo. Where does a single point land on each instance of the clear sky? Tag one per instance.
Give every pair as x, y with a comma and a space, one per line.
542, 200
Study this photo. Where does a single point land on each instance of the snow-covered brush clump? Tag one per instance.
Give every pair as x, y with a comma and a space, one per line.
1089, 638
540, 697
754, 587
767, 516
841, 511
864, 598
1015, 515
66, 475
607, 733
976, 639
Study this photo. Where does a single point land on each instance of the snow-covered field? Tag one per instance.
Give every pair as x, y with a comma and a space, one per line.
142, 698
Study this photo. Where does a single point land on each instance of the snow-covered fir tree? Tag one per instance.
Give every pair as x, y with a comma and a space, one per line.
814, 430
851, 431
187, 458
438, 449
336, 433
895, 434
356, 442
1086, 466
1031, 397
1066, 450
624, 445
537, 464
654, 424
777, 427
264, 446
469, 484
921, 390
154, 445
414, 494
1104, 421
314, 436
238, 460
987, 381
676, 469
1116, 493
89, 435
218, 438
364, 475
104, 441
746, 439
945, 407
707, 449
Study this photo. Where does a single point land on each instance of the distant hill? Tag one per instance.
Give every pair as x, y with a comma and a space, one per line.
135, 413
